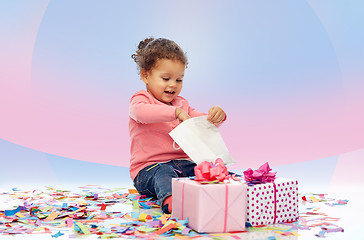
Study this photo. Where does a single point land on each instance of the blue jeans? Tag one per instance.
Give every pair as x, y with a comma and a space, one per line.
157, 181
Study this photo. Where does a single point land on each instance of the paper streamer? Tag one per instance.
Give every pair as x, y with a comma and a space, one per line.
57, 235
83, 228
12, 212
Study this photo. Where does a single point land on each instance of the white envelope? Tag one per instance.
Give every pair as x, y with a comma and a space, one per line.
201, 140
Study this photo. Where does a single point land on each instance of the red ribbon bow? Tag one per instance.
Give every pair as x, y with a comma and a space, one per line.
207, 171
262, 175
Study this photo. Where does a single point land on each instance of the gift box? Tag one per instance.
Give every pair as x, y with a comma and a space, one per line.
273, 202
210, 208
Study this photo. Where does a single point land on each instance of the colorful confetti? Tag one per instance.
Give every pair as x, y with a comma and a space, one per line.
93, 210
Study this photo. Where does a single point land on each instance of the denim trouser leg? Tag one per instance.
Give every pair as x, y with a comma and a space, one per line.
157, 181
186, 167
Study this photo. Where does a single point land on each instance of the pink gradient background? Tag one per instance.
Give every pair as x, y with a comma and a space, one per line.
70, 97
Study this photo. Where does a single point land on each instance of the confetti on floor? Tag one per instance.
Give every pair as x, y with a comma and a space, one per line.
123, 213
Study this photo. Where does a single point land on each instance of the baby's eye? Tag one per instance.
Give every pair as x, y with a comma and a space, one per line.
166, 79
179, 80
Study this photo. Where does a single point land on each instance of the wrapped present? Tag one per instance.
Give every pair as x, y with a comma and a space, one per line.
272, 202
210, 208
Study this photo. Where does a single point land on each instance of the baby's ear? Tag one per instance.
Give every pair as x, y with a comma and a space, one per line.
144, 75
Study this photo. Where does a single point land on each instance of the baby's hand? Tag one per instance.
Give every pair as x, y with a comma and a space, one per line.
216, 115
181, 115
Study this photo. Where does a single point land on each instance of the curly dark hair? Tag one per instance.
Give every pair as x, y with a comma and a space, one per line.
150, 50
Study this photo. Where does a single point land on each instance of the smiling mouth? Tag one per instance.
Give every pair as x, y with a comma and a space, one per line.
169, 92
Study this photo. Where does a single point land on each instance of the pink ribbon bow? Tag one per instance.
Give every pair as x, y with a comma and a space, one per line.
207, 171
262, 175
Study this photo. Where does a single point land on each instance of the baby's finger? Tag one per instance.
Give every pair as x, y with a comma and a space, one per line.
212, 116
219, 118
216, 118
212, 111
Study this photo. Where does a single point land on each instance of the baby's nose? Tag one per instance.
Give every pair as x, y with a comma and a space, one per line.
172, 83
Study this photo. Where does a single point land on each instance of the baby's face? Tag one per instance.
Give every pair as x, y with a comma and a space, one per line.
164, 81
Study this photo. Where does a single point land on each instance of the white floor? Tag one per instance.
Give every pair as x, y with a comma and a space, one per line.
349, 214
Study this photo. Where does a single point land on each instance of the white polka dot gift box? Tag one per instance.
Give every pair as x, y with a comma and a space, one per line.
272, 202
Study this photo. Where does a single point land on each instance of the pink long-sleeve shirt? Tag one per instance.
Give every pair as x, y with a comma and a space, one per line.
150, 122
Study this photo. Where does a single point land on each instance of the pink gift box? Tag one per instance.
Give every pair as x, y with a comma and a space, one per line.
211, 208
274, 202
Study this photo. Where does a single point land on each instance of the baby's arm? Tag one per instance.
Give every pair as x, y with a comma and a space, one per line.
144, 112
